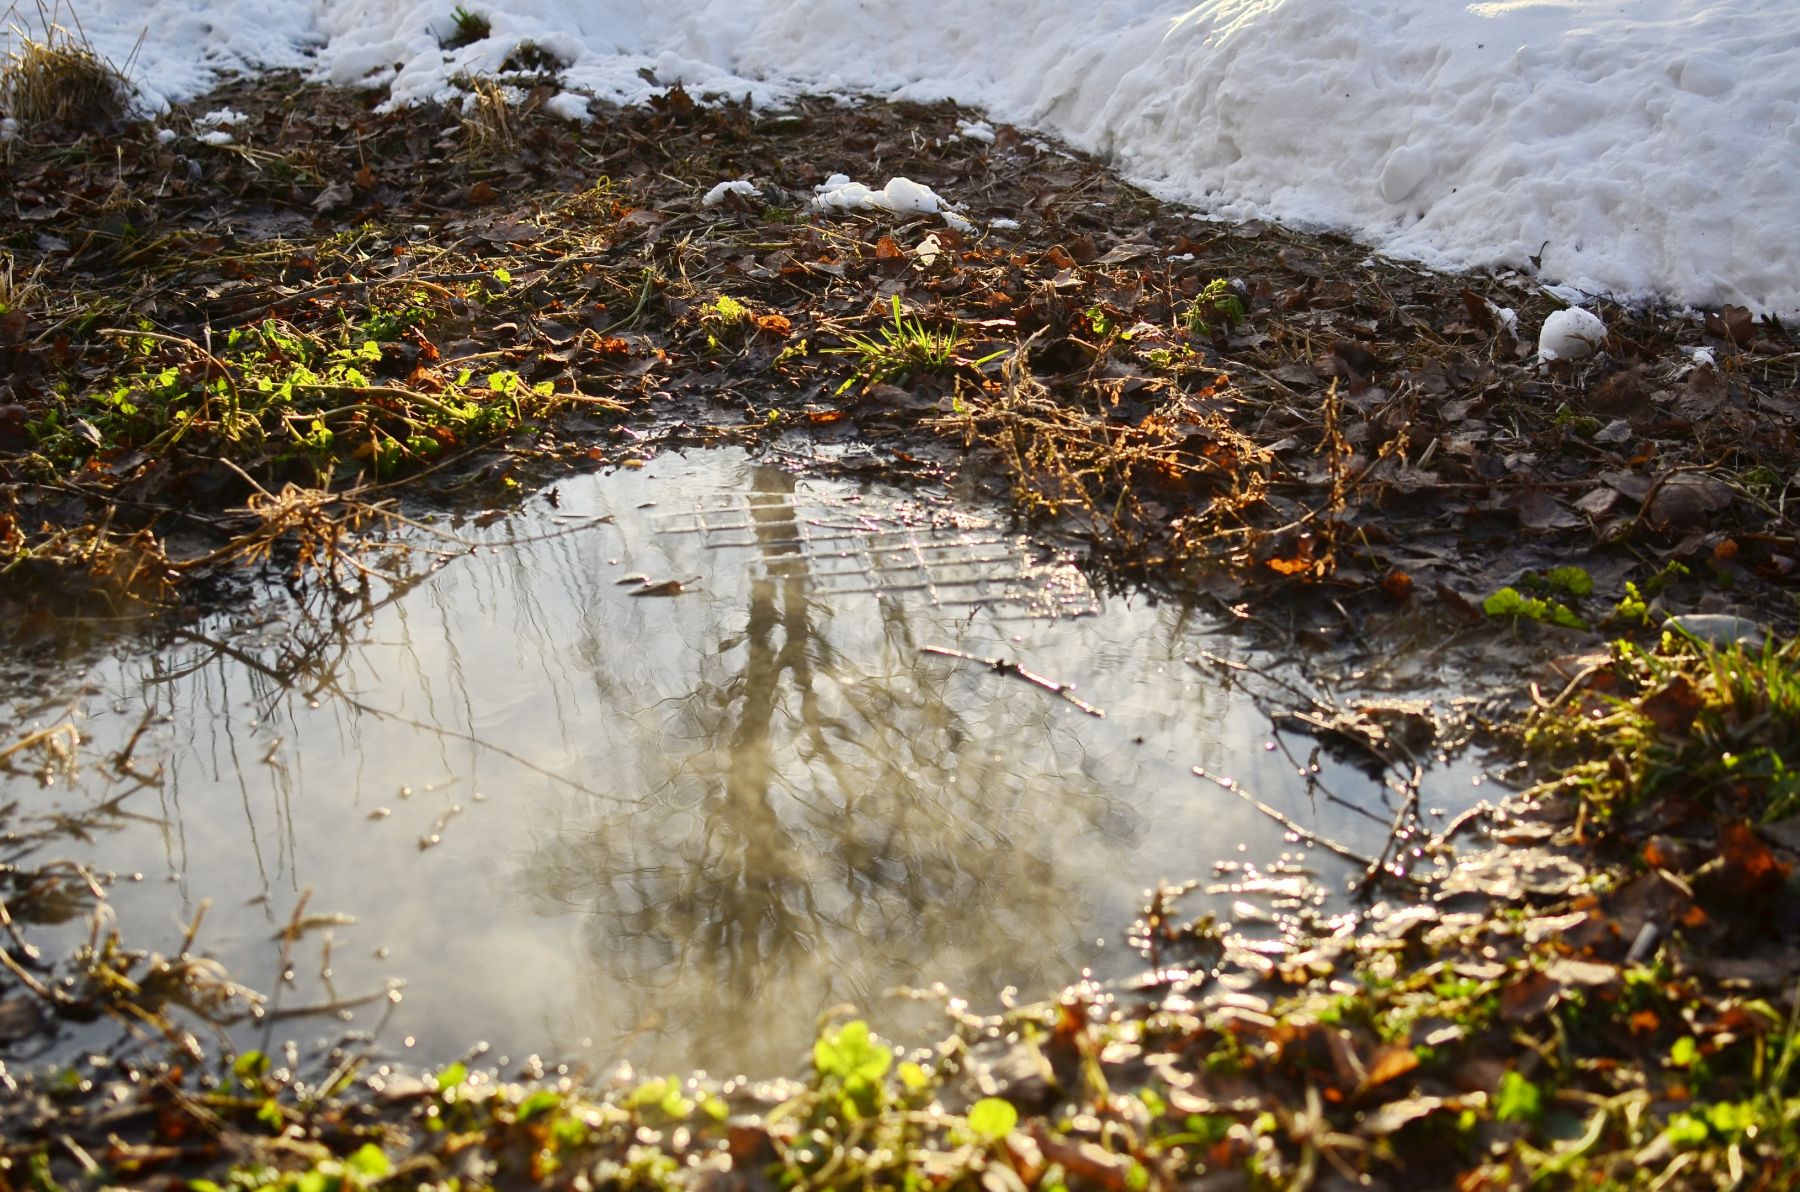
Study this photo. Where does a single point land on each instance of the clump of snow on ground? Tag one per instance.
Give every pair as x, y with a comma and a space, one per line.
570, 106
1570, 334
901, 195
976, 130
739, 186
1643, 148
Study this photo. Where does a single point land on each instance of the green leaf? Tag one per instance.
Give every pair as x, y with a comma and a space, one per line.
370, 1162
1518, 1100
452, 1076
1573, 580
1505, 603
1685, 1052
992, 1118
1686, 1130
851, 1053
538, 1102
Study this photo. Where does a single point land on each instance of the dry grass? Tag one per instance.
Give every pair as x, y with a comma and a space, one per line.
59, 79
486, 122
1123, 480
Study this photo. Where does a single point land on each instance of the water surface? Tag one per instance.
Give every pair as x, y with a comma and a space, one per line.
593, 824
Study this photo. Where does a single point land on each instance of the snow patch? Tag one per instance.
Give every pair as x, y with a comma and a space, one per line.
1634, 148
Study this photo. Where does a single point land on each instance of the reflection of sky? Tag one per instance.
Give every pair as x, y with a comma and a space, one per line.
675, 830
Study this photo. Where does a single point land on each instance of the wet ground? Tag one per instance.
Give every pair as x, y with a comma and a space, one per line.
670, 766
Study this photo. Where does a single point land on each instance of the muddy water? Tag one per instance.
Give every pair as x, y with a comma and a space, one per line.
588, 822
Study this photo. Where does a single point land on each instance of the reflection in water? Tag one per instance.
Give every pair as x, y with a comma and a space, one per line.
804, 806
585, 823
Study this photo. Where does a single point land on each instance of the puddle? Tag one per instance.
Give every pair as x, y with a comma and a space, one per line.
588, 822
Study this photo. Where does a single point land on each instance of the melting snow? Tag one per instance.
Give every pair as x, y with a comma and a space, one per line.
1634, 147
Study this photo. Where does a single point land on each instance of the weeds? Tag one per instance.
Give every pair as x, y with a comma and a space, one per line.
900, 352
59, 79
1719, 726
467, 28
276, 395
1215, 309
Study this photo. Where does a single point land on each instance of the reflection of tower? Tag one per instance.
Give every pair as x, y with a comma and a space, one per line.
826, 815
769, 912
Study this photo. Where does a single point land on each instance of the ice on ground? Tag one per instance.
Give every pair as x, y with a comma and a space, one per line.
1570, 334
717, 194
223, 118
1637, 148
976, 130
901, 195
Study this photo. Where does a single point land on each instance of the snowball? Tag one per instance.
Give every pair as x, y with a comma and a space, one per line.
223, 118
1005, 225
217, 137
9, 128
164, 135
1570, 335
717, 194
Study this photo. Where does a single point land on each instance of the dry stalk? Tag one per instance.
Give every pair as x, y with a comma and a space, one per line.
486, 121
1121, 479
59, 79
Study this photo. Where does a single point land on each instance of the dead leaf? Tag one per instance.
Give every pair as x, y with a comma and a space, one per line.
1686, 500
1530, 997
1734, 323
1538, 510
1397, 1115
1585, 973
1673, 706
1393, 1060
332, 198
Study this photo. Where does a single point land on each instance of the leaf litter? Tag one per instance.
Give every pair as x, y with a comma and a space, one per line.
237, 352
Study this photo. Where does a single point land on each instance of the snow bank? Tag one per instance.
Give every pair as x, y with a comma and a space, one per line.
1636, 147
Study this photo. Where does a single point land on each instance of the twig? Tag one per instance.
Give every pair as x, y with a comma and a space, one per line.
1001, 666
1325, 842
1408, 810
